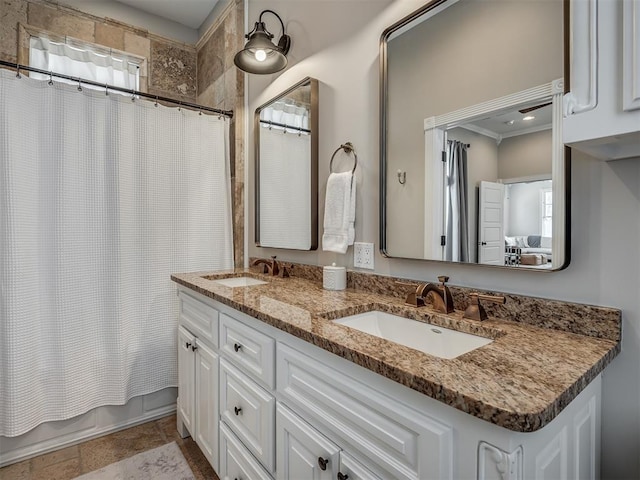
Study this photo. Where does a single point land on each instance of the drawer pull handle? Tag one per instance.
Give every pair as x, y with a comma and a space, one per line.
238, 410
322, 463
342, 476
237, 347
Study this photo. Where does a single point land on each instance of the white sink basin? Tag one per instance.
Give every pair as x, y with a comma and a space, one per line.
436, 341
239, 282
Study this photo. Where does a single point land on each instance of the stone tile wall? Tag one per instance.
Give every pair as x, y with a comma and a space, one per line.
170, 66
221, 85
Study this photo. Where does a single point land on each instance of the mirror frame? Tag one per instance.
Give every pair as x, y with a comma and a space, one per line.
313, 124
384, 83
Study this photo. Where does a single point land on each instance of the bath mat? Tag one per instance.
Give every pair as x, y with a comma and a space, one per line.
162, 463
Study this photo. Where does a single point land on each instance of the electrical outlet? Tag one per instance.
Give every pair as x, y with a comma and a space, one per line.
363, 255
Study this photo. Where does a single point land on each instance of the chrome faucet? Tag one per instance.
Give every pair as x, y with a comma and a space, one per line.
271, 267
442, 300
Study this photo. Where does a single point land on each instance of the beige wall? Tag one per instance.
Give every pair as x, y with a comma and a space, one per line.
525, 155
337, 43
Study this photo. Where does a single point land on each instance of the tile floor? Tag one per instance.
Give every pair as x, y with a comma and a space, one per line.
85, 457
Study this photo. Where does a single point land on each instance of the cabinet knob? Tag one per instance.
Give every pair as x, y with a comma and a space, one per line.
322, 463
237, 347
237, 410
342, 476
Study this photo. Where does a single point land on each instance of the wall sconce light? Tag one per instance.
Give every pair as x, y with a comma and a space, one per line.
260, 55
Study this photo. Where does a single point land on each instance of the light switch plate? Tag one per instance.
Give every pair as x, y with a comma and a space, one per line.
363, 255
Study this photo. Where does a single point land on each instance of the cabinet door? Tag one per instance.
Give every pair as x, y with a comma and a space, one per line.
186, 378
207, 425
302, 451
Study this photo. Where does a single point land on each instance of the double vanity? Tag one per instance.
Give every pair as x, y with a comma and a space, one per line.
282, 379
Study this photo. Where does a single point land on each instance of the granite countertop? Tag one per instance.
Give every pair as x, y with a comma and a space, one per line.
520, 381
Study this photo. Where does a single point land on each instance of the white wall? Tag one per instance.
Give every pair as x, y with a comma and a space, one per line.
337, 43
524, 208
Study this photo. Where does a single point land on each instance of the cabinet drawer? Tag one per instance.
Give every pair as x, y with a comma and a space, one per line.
353, 470
400, 440
235, 460
249, 349
200, 318
249, 411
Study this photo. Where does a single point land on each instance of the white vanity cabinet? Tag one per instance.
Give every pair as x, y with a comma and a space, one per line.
602, 109
197, 405
289, 410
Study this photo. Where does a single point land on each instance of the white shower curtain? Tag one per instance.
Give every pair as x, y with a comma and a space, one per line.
285, 183
101, 198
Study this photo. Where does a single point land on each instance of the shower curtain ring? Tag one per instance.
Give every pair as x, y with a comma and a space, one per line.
106, 89
133, 95
402, 177
18, 71
50, 78
180, 106
156, 100
79, 85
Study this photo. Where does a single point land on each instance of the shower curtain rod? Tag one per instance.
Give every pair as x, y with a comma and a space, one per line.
278, 124
107, 87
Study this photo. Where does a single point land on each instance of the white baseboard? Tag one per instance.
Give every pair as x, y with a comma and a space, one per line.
99, 422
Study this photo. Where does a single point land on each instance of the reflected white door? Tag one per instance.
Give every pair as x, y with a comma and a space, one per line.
491, 224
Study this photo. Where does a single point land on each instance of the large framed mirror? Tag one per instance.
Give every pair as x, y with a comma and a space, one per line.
473, 168
286, 152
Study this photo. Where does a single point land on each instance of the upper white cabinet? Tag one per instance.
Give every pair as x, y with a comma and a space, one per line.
602, 109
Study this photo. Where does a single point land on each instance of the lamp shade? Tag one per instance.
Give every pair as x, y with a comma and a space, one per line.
260, 55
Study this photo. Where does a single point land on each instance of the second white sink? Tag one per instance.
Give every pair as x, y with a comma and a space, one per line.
239, 282
437, 341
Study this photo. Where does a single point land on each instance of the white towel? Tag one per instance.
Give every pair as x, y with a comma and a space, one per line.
339, 212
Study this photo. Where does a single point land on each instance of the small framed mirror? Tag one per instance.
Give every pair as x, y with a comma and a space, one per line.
473, 169
286, 143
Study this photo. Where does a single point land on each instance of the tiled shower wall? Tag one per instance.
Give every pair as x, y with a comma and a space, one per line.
202, 73
221, 85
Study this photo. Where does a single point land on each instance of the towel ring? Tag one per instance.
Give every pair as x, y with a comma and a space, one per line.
348, 148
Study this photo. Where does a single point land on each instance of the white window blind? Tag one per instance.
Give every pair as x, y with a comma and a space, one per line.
83, 62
